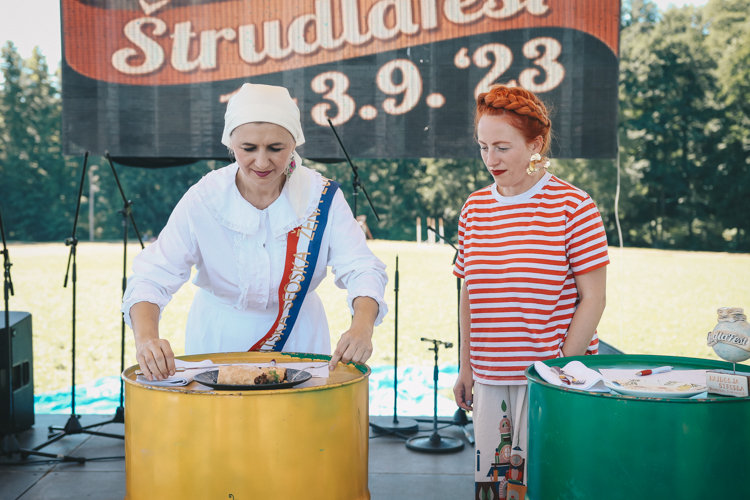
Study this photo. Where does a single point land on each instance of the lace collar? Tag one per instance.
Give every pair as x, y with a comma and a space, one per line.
219, 193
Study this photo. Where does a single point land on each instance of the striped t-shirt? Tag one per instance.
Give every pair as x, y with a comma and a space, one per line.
519, 256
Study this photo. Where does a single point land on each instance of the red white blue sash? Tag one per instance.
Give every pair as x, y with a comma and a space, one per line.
302, 252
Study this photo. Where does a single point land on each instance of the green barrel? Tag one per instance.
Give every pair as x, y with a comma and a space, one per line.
597, 446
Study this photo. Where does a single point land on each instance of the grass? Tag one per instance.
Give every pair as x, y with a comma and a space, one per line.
658, 302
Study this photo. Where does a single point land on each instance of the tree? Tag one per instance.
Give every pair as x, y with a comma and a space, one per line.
667, 90
728, 42
37, 184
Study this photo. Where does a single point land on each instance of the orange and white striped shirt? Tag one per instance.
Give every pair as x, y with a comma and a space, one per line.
519, 256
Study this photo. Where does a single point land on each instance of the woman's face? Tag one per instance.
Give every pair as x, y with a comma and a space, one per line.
263, 151
506, 154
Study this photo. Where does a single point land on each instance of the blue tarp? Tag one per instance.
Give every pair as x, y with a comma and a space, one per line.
415, 393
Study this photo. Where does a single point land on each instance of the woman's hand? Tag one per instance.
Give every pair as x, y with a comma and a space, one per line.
154, 355
155, 358
463, 390
356, 343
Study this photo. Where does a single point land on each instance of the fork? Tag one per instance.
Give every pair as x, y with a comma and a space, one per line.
565, 377
300, 370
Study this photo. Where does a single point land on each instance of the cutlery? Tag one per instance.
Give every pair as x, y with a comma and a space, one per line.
566, 377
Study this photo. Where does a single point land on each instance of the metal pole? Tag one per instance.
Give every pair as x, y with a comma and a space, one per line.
395, 362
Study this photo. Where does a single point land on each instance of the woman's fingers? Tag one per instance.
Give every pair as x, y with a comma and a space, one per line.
144, 366
462, 392
351, 348
170, 361
156, 359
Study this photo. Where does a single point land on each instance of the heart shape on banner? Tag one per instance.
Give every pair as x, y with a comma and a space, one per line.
150, 8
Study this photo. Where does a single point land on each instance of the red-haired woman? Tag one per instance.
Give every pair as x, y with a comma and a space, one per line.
532, 253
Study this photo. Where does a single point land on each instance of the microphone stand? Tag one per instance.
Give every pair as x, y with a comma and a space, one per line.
435, 443
10, 442
459, 418
127, 216
73, 426
382, 425
356, 182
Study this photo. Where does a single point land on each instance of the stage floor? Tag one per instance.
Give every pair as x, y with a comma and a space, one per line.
395, 472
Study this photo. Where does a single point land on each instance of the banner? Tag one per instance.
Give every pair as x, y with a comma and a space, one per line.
398, 78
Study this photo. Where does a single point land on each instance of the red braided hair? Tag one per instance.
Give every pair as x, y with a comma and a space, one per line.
524, 109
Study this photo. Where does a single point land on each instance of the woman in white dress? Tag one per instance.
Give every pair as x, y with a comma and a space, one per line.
239, 226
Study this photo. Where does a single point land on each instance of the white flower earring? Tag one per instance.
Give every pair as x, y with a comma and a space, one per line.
534, 160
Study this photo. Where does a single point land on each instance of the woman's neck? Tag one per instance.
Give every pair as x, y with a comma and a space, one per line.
261, 197
520, 188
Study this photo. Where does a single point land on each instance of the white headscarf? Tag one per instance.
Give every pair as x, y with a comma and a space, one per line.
270, 104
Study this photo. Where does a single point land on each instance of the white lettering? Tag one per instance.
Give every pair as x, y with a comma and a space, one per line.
429, 14
249, 46
350, 15
512, 7
386, 20
271, 42
324, 26
454, 11
209, 41
183, 34
337, 94
404, 19
297, 40
152, 51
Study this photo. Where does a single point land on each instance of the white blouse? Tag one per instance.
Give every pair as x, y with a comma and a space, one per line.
238, 252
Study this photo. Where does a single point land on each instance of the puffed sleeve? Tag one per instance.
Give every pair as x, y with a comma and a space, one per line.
354, 266
164, 266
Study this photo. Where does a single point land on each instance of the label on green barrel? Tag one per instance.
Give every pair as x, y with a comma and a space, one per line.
727, 383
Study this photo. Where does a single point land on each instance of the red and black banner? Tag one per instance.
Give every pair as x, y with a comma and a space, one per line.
150, 78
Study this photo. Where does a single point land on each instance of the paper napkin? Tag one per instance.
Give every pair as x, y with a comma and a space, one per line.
179, 379
594, 380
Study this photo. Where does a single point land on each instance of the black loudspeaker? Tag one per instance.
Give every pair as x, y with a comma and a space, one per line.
22, 392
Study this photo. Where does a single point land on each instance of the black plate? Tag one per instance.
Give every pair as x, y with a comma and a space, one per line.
209, 378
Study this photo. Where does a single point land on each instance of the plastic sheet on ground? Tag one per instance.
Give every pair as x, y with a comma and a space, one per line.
415, 393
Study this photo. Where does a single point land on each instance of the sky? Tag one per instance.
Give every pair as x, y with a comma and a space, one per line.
29, 23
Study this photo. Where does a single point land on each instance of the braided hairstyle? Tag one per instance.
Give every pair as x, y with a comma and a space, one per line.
524, 110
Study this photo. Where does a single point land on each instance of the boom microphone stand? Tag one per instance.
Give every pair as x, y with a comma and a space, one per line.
10, 442
73, 426
384, 425
459, 418
356, 182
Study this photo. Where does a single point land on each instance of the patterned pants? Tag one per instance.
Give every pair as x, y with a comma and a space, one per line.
501, 431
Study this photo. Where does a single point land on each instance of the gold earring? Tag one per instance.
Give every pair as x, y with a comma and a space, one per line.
537, 158
532, 163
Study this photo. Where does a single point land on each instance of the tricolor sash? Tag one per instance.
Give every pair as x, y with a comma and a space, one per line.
302, 252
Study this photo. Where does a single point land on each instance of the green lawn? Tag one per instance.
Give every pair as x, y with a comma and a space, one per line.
659, 302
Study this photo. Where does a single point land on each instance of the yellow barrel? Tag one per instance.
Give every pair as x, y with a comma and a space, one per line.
310, 441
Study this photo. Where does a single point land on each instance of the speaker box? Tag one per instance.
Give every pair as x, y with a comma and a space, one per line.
22, 392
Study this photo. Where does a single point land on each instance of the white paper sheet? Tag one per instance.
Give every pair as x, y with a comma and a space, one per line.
179, 379
594, 380
687, 376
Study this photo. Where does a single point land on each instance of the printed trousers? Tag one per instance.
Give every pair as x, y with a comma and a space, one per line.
501, 431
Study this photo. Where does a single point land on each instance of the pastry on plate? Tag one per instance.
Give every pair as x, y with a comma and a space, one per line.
250, 375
